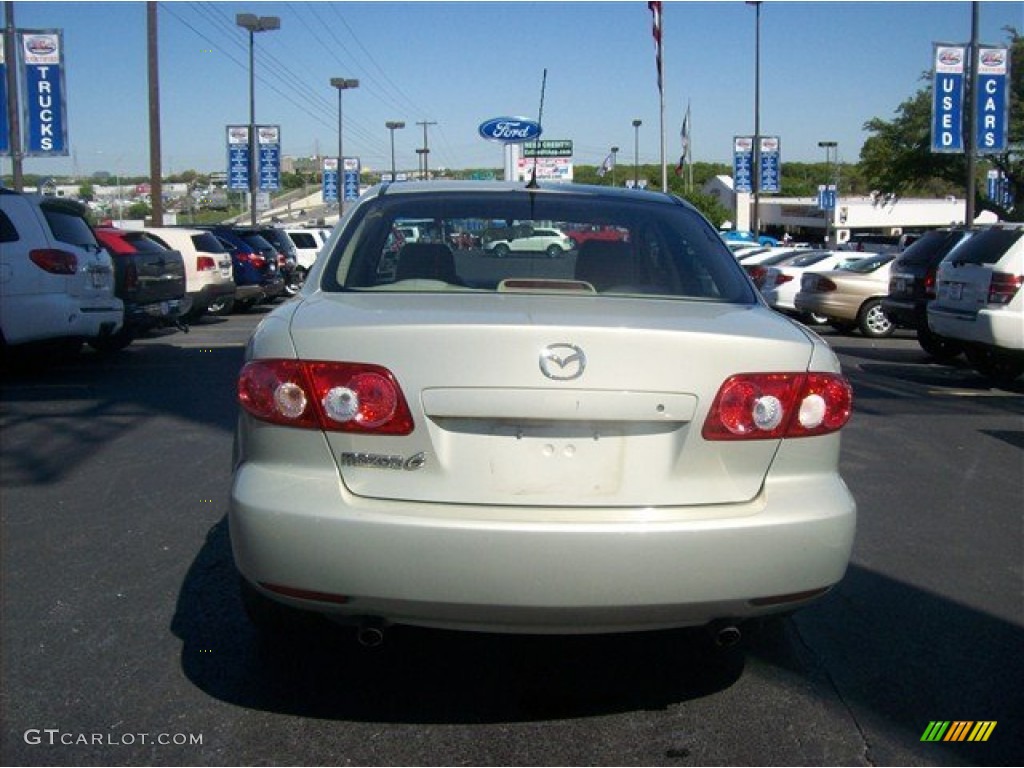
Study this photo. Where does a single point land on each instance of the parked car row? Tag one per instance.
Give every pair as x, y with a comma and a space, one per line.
65, 282
958, 288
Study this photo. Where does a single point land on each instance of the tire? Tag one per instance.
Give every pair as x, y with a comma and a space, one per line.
873, 322
939, 347
553, 251
109, 345
295, 282
501, 250
221, 306
996, 365
810, 318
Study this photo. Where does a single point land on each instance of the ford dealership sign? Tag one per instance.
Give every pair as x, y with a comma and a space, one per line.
510, 130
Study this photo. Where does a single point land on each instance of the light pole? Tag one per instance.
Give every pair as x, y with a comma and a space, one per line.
342, 84
393, 125
829, 147
756, 170
615, 151
254, 24
636, 152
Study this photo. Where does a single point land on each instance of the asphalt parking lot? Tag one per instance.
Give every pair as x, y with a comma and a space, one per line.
123, 641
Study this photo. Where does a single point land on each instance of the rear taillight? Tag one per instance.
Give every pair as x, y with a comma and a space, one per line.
766, 406
54, 261
929, 284
205, 263
758, 274
1003, 287
782, 277
339, 397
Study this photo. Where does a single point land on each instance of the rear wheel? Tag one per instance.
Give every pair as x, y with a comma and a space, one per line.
501, 250
994, 364
553, 251
937, 346
873, 322
221, 306
295, 281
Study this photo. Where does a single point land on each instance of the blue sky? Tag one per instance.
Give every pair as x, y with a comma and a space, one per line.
826, 68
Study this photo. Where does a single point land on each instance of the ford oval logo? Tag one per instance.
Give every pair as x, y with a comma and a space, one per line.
510, 130
41, 46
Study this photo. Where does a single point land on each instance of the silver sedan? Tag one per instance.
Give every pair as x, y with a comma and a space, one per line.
627, 438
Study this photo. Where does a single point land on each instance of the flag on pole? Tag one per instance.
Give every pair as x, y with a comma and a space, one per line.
656, 13
684, 137
607, 165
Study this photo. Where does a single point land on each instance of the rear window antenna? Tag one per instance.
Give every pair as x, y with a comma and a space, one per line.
540, 124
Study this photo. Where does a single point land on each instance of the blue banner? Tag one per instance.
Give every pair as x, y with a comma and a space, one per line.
238, 157
45, 121
330, 179
948, 98
269, 142
770, 180
5, 128
992, 105
742, 163
350, 179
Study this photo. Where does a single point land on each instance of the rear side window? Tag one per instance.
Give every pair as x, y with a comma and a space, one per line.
69, 228
8, 234
987, 246
303, 240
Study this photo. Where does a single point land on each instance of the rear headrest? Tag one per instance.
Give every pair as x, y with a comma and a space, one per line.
426, 261
605, 263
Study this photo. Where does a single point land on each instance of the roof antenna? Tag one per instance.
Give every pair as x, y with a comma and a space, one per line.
540, 124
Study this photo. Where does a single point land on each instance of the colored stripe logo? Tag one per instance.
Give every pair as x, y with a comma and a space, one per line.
958, 730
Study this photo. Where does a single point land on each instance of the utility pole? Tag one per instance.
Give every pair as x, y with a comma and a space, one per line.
10, 49
156, 184
426, 148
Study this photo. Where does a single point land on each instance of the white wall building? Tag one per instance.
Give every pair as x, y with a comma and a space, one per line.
876, 213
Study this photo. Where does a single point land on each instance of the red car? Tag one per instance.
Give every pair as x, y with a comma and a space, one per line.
580, 235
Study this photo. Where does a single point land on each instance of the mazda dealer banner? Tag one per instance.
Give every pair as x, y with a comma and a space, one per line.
948, 98
42, 57
991, 99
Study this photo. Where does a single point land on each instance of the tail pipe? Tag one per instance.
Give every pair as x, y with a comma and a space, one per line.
725, 634
370, 634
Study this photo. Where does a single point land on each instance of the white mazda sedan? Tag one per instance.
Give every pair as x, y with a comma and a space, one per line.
626, 438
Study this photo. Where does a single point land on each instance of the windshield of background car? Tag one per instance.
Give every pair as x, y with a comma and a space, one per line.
929, 246
869, 263
534, 242
986, 247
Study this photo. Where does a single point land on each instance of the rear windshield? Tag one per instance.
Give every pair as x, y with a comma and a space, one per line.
304, 239
546, 242
869, 263
987, 246
69, 228
144, 243
931, 246
207, 242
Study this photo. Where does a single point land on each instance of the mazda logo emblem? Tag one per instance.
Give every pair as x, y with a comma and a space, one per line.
562, 362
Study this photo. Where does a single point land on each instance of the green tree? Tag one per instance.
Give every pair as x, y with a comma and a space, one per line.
897, 157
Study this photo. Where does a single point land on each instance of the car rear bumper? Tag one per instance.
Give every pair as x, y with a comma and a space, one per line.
205, 296
40, 317
906, 312
489, 569
995, 328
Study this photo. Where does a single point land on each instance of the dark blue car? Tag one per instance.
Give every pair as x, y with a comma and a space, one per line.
254, 266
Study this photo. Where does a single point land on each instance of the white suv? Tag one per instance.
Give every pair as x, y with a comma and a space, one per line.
209, 281
979, 300
552, 242
56, 281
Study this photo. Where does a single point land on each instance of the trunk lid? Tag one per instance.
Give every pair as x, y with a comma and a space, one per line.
492, 428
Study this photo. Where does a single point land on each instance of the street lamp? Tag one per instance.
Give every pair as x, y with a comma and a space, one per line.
393, 125
342, 84
756, 170
615, 151
829, 147
636, 152
254, 24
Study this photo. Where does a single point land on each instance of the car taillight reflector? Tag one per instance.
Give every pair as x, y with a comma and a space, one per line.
257, 261
782, 277
758, 274
1003, 287
54, 261
766, 406
205, 263
340, 397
